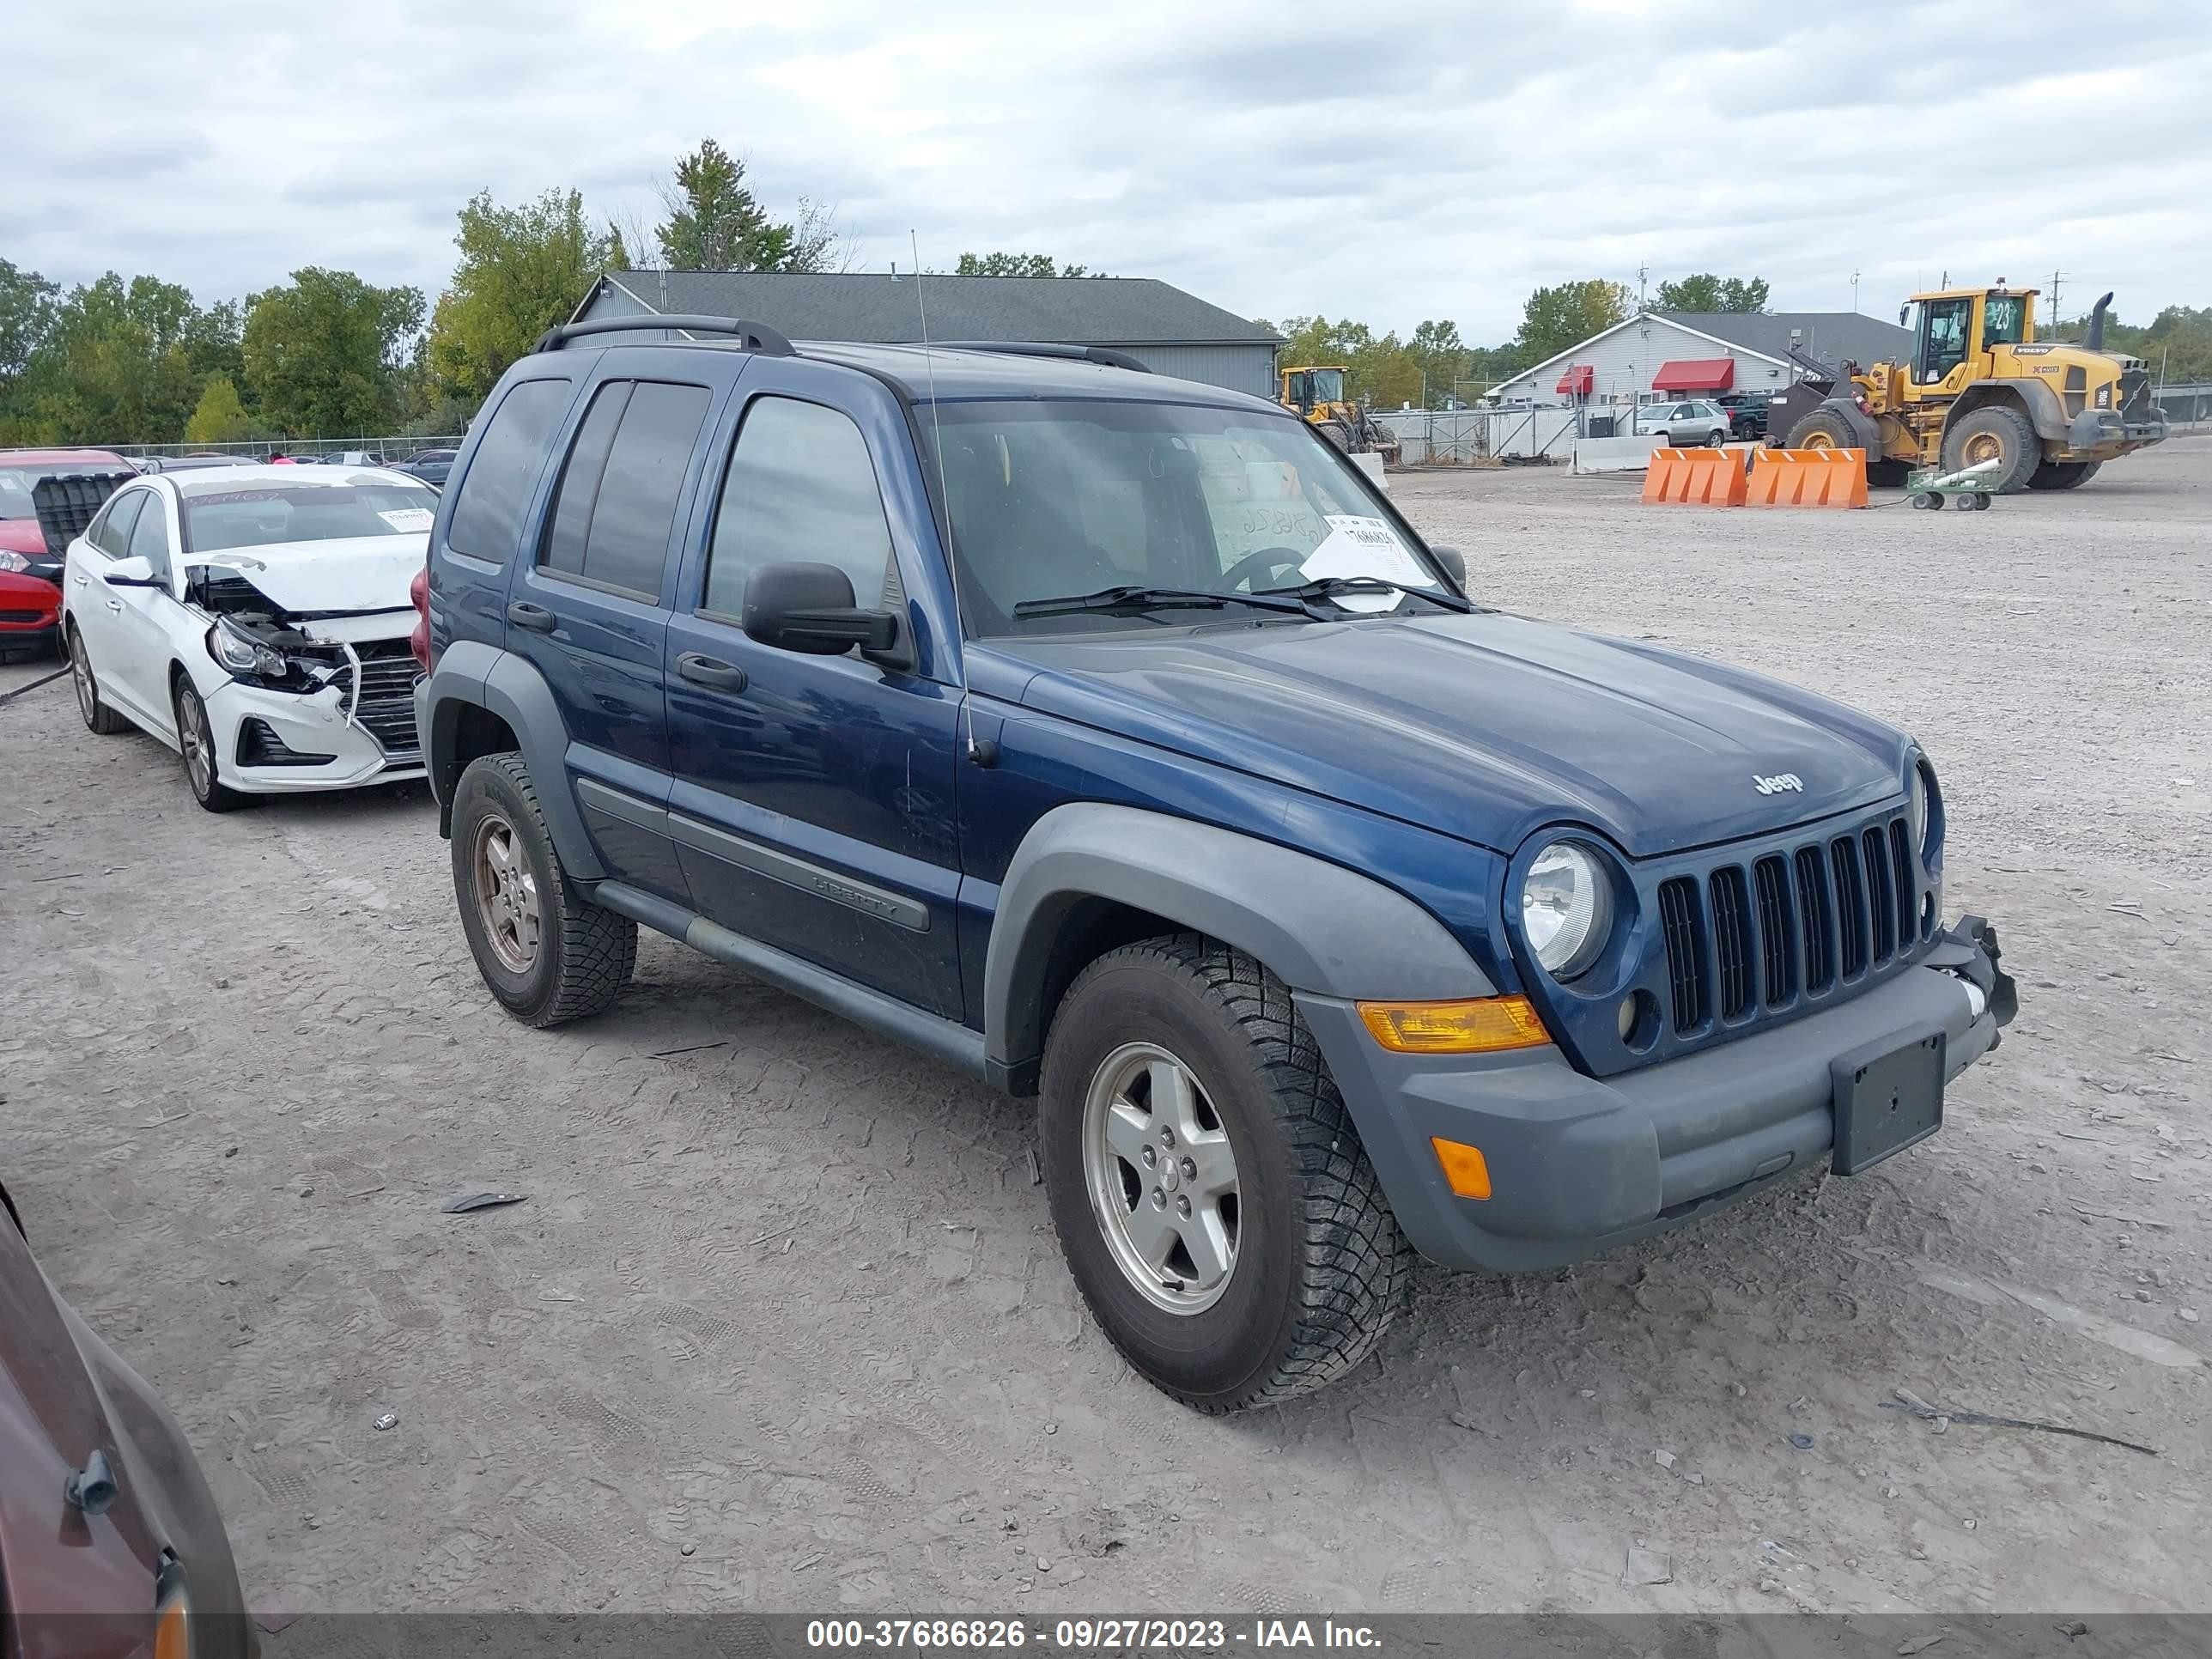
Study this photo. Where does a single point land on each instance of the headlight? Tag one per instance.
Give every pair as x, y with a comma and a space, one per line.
12, 560
239, 652
1917, 807
1566, 908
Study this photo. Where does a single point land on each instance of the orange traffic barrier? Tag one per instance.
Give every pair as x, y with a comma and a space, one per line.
1808, 477
1695, 478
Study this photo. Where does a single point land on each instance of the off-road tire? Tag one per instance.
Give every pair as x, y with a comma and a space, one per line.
1822, 428
2016, 438
1321, 1268
98, 718
2062, 474
586, 954
214, 795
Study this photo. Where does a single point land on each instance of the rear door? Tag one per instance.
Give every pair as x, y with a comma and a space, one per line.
813, 805
590, 606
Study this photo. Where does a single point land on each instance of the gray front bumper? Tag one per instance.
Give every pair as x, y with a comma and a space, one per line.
2094, 428
1578, 1164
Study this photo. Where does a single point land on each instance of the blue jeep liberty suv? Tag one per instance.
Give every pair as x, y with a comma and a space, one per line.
1113, 739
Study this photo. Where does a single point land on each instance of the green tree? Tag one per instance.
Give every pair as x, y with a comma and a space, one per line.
714, 222
220, 418
322, 354
1703, 291
2177, 342
1017, 264
26, 313
111, 366
522, 270
1555, 319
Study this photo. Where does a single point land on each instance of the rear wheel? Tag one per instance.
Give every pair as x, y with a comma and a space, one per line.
2062, 474
98, 716
1216, 1208
547, 953
1717, 439
1993, 434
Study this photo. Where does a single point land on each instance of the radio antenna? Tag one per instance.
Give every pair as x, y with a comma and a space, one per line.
929, 368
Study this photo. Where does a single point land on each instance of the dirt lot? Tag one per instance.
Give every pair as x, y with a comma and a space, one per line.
782, 1323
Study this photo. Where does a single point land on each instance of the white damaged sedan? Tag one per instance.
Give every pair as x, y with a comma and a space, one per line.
256, 619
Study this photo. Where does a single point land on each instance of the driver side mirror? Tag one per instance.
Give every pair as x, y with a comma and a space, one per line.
808, 608
132, 573
1455, 564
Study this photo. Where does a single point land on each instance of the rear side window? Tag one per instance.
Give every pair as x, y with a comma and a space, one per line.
616, 503
488, 513
801, 486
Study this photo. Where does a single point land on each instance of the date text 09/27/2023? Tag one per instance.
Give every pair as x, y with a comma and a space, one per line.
1086, 1634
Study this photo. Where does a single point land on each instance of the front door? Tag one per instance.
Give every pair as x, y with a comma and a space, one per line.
590, 606
813, 809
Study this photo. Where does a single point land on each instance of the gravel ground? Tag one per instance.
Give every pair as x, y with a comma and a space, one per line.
782, 1323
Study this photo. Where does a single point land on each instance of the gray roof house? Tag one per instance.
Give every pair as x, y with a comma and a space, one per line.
1170, 331
1698, 353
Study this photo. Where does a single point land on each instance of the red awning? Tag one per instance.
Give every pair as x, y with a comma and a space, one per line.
1695, 374
1578, 379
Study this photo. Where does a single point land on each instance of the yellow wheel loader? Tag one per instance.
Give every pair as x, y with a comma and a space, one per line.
1316, 391
1982, 389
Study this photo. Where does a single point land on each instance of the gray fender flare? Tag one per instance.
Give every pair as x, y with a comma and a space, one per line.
2045, 413
472, 673
1320, 927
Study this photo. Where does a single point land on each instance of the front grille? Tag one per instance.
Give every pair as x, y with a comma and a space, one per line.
1680, 914
1802, 920
1732, 941
22, 616
2135, 396
385, 704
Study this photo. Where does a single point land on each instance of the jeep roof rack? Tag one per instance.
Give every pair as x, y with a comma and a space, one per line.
1091, 354
753, 336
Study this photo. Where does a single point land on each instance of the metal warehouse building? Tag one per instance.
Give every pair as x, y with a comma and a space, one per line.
1702, 353
1168, 331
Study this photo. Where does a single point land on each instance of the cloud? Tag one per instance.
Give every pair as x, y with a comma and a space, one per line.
1432, 162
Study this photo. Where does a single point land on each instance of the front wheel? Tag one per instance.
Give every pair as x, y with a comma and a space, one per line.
1211, 1194
1717, 439
549, 954
2062, 474
196, 741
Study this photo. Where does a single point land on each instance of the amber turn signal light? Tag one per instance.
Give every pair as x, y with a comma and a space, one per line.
1466, 1170
1477, 1025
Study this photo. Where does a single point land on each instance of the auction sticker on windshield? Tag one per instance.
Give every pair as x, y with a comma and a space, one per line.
406, 518
1359, 546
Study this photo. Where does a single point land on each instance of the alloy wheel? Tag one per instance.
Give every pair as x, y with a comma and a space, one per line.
88, 696
198, 744
1162, 1177
506, 895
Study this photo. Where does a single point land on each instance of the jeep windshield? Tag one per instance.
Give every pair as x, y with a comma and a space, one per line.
1056, 502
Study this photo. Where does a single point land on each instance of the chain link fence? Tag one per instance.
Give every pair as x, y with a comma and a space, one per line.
385, 447
1476, 437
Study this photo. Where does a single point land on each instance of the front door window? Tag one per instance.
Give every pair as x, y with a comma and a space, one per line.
1942, 337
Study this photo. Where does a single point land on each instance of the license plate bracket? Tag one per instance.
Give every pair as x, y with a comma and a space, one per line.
1888, 1096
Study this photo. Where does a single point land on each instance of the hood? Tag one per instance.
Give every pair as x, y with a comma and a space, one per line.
358, 573
1486, 727
22, 536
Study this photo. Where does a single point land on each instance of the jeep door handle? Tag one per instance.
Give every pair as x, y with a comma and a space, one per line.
708, 670
535, 618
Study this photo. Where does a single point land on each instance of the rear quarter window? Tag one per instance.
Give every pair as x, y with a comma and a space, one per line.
494, 493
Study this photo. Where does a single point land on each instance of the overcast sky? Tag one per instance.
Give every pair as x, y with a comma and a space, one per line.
1386, 163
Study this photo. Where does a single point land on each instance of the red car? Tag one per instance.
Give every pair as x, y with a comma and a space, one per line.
110, 1545
30, 572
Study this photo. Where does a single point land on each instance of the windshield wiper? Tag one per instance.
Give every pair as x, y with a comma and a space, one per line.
1328, 587
1135, 596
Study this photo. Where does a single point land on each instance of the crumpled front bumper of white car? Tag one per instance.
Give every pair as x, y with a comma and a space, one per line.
286, 742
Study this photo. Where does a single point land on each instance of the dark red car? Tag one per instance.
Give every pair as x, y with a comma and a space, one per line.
30, 570
110, 1545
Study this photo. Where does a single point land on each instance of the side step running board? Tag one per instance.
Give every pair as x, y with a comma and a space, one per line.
947, 1040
